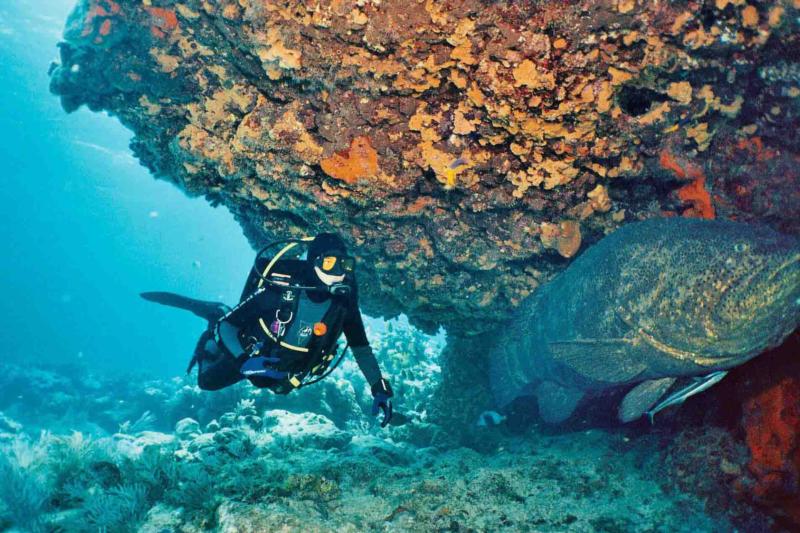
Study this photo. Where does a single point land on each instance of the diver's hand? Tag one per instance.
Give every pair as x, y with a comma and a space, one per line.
382, 400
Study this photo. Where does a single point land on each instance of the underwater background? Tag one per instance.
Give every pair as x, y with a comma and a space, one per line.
87, 228
102, 430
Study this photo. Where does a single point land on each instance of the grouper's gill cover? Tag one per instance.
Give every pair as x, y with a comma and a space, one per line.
660, 298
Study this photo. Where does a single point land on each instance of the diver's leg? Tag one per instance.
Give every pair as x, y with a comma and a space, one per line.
216, 368
215, 375
211, 311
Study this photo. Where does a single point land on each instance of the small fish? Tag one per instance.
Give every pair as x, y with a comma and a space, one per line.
458, 162
451, 173
490, 418
697, 386
652, 302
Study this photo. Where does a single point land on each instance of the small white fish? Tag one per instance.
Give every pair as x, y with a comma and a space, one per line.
697, 386
490, 418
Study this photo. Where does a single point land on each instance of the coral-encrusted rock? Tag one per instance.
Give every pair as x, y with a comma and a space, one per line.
133, 446
287, 431
761, 401
462, 147
187, 428
772, 425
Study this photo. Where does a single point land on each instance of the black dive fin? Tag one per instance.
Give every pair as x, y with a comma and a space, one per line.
211, 311
642, 397
607, 360
556, 403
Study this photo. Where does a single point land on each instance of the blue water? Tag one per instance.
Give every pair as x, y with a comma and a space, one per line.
86, 228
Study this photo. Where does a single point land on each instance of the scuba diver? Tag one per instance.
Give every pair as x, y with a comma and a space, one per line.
283, 333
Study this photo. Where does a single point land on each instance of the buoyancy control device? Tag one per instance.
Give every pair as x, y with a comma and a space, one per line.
286, 330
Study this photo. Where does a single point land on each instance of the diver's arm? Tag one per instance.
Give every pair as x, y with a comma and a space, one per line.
367, 363
357, 338
379, 387
359, 344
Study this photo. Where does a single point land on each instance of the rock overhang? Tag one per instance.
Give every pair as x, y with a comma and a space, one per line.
465, 150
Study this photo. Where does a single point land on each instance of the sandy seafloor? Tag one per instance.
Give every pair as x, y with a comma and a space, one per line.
82, 452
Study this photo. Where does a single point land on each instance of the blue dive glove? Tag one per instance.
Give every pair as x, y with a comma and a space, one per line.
382, 394
261, 366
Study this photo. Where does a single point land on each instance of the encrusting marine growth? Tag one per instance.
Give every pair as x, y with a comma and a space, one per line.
461, 147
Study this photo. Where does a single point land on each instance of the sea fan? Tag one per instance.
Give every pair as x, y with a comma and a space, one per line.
155, 468
29, 454
24, 495
74, 455
143, 423
196, 492
118, 510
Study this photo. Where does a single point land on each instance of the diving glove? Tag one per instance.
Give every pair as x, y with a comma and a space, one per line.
382, 394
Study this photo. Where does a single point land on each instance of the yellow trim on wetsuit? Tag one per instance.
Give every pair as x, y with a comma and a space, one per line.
278, 256
275, 260
261, 283
274, 339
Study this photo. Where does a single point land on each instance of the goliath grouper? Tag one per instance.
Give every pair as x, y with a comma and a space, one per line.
654, 301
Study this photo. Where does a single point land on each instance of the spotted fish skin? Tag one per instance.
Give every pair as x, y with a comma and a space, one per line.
662, 298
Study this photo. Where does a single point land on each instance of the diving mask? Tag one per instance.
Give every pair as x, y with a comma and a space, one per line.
336, 265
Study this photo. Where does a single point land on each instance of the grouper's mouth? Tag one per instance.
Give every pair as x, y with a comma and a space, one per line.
795, 260
769, 321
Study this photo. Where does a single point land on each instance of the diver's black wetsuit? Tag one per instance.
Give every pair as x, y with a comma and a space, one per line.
219, 368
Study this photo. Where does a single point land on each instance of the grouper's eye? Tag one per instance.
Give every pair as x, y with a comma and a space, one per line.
741, 247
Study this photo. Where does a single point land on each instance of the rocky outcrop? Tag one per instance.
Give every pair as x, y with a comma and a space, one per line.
234, 478
771, 425
464, 148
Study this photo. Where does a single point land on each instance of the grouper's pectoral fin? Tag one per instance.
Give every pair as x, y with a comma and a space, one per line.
642, 397
607, 360
556, 403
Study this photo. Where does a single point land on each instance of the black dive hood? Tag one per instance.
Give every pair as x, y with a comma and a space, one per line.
295, 249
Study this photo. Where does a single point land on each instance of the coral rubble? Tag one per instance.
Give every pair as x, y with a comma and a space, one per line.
241, 474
